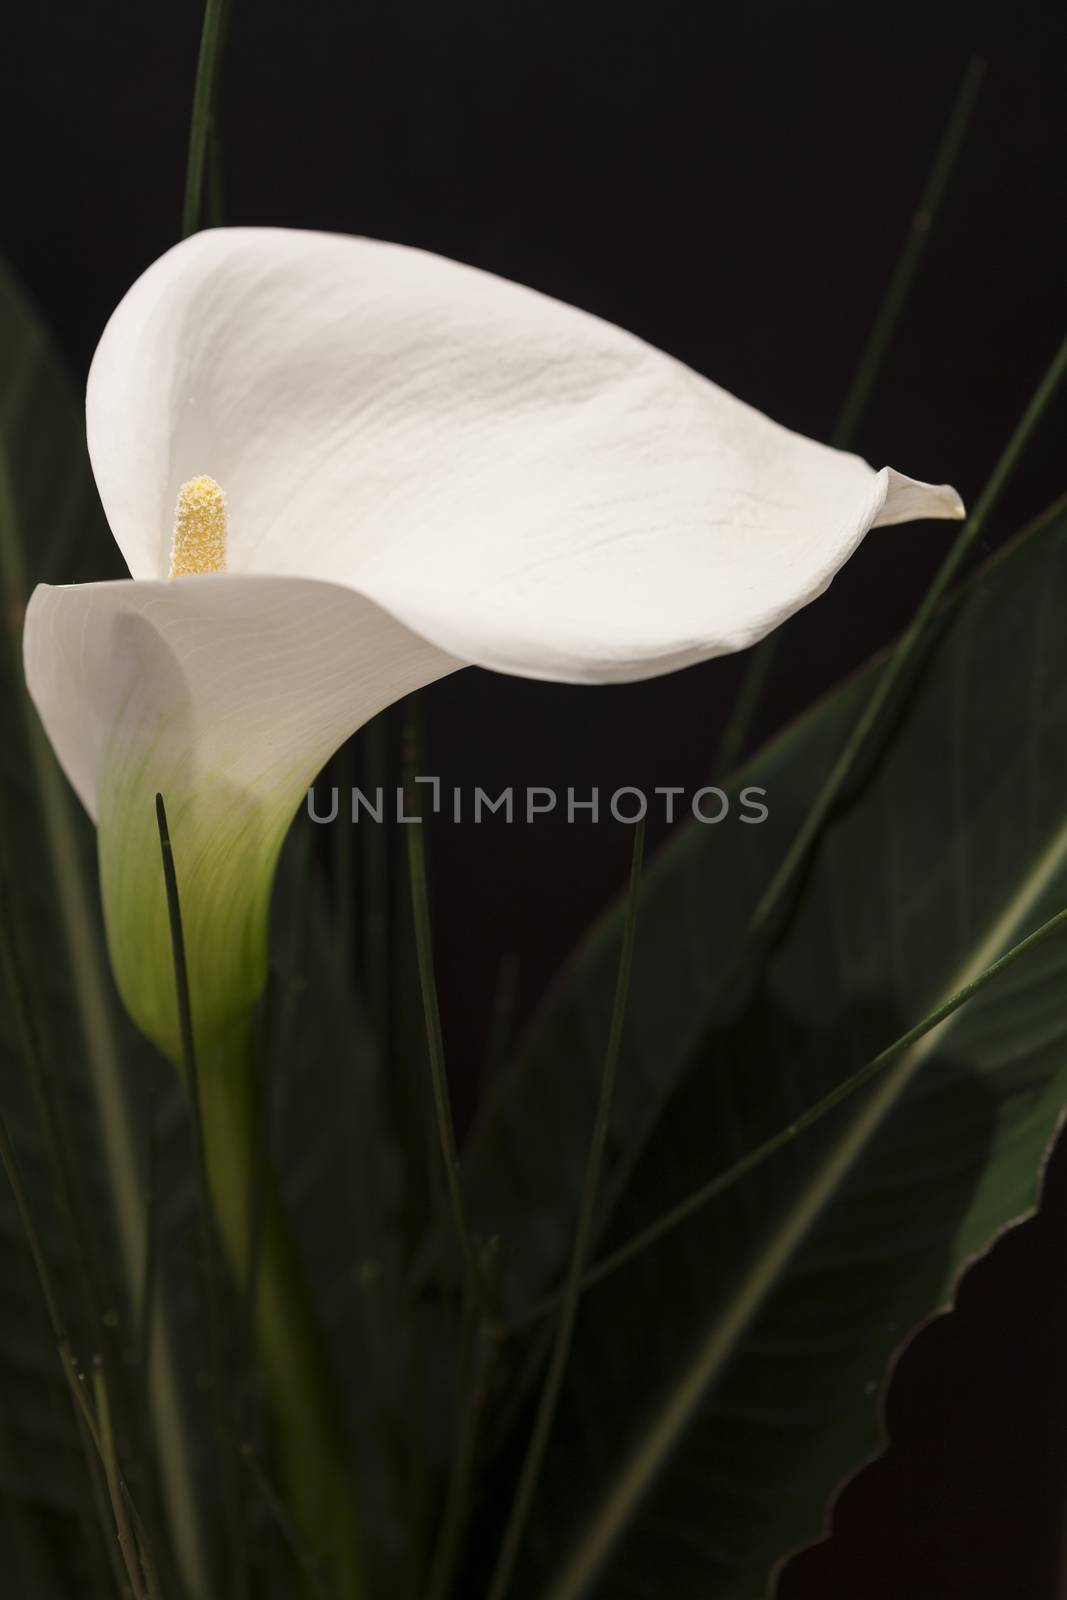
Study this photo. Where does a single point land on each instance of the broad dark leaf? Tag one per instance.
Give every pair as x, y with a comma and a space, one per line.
725, 1382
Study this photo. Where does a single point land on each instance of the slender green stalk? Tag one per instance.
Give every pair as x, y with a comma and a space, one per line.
132, 1536
702, 1196
483, 1347
244, 1341
32, 1056
72, 1203
209, 1266
298, 1545
583, 1239
76, 1383
146, 1309
375, 857
907, 265
427, 1192
101, 1508
208, 67
188, 1063
894, 675
446, 1133
151, 1577
761, 658
127, 1543
9, 1162
281, 1011
308, 1412
757, 670
87, 1430
213, 208
90, 1423
360, 1110
344, 884
10, 1165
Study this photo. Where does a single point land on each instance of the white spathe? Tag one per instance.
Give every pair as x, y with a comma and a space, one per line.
425, 466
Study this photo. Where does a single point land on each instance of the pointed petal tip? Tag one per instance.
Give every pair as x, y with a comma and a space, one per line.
911, 500
945, 502
951, 498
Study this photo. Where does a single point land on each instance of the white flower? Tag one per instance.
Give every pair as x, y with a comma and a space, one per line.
423, 467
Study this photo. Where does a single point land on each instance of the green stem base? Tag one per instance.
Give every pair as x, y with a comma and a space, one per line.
308, 1415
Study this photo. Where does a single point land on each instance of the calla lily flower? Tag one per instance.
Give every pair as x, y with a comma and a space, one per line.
338, 470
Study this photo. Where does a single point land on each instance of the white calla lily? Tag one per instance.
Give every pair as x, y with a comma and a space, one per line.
424, 467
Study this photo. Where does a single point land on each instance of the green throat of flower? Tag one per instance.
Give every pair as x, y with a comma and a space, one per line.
225, 831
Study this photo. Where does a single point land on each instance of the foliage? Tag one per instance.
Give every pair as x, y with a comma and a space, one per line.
725, 1376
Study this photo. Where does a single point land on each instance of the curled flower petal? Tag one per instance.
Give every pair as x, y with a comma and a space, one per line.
532, 489
226, 696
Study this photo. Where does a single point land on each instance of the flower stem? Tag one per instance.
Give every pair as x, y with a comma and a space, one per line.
313, 1454
245, 1203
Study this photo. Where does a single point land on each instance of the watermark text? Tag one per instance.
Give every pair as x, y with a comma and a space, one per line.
527, 804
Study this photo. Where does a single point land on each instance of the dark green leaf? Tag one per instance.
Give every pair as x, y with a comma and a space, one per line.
726, 1381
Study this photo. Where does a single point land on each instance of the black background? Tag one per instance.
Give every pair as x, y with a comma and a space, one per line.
733, 184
